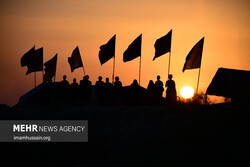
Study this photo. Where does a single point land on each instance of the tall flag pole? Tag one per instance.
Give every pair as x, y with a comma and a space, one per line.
106, 52
35, 78
163, 46
113, 76
193, 59
75, 61
140, 72
169, 55
133, 51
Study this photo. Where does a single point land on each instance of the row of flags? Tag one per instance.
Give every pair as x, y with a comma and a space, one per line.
33, 59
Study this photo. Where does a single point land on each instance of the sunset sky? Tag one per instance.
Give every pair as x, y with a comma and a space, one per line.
61, 25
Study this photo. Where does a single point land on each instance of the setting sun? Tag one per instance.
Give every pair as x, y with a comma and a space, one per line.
187, 92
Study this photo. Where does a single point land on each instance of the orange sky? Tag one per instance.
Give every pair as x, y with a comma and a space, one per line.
59, 26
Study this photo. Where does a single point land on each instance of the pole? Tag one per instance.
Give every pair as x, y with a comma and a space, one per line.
35, 78
83, 70
198, 80
169, 56
169, 62
140, 72
113, 76
199, 70
55, 78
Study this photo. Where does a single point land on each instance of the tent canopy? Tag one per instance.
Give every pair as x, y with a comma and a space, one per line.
230, 83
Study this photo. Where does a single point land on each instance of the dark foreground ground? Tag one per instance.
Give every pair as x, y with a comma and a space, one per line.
183, 135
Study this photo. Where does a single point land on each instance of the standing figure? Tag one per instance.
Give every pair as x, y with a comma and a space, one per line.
85, 88
158, 89
99, 89
64, 90
171, 91
151, 93
108, 90
117, 91
74, 92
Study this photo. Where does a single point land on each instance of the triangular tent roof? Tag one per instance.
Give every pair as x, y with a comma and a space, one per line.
230, 83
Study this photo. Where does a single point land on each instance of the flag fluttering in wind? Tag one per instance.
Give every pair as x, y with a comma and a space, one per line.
134, 50
163, 45
107, 51
33, 59
50, 69
193, 59
75, 60
25, 60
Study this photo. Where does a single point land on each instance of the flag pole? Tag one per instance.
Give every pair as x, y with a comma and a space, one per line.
199, 70
113, 76
140, 72
140, 65
198, 80
83, 70
55, 77
169, 62
35, 78
169, 56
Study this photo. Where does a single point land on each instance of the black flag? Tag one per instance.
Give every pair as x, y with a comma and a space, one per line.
27, 57
134, 50
33, 59
75, 60
107, 51
193, 59
163, 45
50, 68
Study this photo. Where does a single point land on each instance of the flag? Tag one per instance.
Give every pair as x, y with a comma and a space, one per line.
193, 59
163, 45
75, 60
33, 59
134, 50
107, 51
50, 68
26, 59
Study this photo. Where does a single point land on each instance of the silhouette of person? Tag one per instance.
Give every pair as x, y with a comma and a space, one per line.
134, 92
117, 90
64, 83
99, 88
171, 91
74, 91
117, 84
151, 92
85, 87
158, 89
64, 90
108, 88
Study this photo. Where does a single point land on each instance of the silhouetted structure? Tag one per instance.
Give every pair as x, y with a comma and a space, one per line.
171, 91
231, 83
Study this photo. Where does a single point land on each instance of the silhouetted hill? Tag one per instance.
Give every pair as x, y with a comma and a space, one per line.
185, 134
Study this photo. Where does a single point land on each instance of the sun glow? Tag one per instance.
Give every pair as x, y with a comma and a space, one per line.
187, 92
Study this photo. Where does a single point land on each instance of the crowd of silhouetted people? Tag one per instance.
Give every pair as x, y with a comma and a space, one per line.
106, 93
